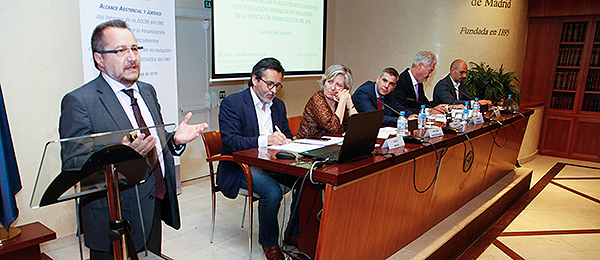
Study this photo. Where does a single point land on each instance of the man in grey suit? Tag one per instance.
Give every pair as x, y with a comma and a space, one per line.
451, 90
104, 104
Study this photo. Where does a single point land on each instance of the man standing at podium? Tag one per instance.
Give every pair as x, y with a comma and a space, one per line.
114, 101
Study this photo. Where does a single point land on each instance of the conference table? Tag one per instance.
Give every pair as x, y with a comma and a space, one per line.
372, 207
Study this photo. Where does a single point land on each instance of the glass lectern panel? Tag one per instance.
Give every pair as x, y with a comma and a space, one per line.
74, 167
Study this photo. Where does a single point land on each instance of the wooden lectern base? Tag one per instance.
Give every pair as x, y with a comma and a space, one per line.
26, 246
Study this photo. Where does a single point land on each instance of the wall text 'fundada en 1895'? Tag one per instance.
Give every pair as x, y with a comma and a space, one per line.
484, 31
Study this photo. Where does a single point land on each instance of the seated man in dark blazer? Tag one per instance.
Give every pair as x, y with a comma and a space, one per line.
409, 91
371, 95
255, 118
451, 90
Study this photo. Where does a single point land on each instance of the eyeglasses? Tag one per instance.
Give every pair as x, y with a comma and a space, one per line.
272, 84
122, 51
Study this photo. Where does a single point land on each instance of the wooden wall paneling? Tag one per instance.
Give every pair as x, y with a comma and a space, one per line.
505, 150
536, 8
540, 60
391, 212
454, 187
425, 168
310, 207
556, 136
550, 8
586, 139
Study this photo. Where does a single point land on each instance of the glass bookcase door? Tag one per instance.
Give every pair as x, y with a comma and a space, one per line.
591, 97
568, 67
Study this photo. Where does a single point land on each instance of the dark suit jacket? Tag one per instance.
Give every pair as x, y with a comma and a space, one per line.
239, 130
365, 103
444, 92
94, 108
405, 89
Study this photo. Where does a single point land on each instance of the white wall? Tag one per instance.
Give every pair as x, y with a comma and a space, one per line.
40, 61
372, 35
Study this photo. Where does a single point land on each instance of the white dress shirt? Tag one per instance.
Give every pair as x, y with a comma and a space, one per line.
265, 123
456, 85
125, 101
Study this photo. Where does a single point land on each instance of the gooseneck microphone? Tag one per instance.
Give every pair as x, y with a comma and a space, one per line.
386, 105
466, 94
413, 139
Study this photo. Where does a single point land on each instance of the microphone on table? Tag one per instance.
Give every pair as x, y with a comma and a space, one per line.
466, 94
413, 139
446, 129
483, 108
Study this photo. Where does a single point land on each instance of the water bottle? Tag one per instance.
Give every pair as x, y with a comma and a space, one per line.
422, 117
476, 107
402, 124
465, 113
508, 103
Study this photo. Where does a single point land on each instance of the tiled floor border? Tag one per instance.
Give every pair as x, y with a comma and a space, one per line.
576, 192
489, 237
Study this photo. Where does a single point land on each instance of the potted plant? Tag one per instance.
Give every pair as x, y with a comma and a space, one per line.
487, 83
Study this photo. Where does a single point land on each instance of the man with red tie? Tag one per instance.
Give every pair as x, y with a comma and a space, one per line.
115, 101
373, 95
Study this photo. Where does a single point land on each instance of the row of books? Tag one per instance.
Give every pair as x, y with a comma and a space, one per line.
593, 83
569, 56
591, 104
566, 80
562, 102
595, 59
566, 103
573, 32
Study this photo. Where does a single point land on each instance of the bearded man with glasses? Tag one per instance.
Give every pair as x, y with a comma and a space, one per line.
115, 101
254, 118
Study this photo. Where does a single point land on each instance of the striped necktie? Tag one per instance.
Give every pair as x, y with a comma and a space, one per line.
160, 188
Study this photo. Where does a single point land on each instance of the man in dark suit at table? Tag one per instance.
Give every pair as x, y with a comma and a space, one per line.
451, 90
409, 90
255, 118
371, 96
104, 105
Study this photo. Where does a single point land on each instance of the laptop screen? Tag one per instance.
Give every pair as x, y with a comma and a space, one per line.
360, 138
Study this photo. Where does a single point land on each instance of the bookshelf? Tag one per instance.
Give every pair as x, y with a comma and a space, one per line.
569, 67
572, 114
591, 97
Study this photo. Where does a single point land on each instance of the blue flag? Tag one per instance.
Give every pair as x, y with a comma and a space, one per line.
10, 182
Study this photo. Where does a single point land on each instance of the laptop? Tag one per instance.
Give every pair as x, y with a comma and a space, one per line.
360, 139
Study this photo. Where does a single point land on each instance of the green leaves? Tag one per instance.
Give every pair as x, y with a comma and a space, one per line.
487, 83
